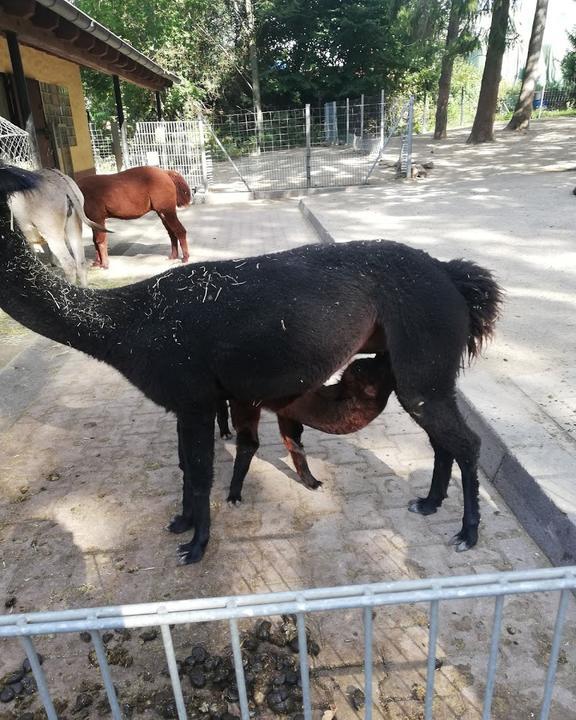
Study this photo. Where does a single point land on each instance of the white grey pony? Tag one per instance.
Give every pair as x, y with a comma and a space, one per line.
53, 213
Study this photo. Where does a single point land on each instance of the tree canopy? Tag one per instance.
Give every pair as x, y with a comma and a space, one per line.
308, 50
569, 61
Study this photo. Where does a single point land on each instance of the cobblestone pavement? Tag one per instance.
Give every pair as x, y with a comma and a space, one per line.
89, 477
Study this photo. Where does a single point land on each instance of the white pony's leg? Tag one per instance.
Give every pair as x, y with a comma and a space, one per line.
74, 236
52, 227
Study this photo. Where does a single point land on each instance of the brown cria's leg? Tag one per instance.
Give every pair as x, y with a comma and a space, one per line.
222, 419
245, 419
177, 233
291, 432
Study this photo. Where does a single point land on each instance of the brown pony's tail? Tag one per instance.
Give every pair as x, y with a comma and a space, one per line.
183, 193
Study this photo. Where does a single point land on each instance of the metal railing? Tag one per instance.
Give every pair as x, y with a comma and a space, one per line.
362, 597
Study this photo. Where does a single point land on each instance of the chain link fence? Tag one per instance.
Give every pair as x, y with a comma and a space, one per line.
462, 105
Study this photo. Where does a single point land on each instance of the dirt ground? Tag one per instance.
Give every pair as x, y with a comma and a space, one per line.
89, 479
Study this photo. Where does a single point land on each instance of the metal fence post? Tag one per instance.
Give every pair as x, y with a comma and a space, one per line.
203, 152
124, 146
308, 148
462, 106
116, 145
335, 122
425, 114
347, 120
382, 119
409, 130
362, 116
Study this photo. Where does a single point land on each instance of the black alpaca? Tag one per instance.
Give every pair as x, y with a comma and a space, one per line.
267, 329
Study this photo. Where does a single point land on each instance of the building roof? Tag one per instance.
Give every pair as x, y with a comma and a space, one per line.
59, 28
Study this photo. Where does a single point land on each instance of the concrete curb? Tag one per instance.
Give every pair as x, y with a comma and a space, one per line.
538, 500
323, 234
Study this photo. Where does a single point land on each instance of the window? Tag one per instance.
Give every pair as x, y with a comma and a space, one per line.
58, 112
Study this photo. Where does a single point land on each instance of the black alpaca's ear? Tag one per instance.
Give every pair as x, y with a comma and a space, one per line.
13, 179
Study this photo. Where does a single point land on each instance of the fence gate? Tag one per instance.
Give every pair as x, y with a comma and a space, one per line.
337, 144
172, 145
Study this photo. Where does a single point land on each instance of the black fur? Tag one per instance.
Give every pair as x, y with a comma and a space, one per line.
266, 329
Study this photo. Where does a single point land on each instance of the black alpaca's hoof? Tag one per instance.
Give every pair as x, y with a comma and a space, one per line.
465, 539
191, 552
180, 524
422, 506
311, 483
234, 500
226, 435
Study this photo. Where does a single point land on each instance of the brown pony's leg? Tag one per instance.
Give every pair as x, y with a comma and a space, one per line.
291, 432
101, 245
177, 233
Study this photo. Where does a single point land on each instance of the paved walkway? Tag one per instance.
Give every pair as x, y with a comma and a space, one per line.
89, 478
508, 205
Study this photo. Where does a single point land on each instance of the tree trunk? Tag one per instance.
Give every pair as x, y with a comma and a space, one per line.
483, 127
255, 74
523, 111
446, 71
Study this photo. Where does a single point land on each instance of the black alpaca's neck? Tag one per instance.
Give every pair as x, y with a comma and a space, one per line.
48, 305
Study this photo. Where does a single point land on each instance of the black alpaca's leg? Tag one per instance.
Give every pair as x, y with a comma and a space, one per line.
196, 442
245, 420
446, 427
181, 523
291, 432
443, 462
222, 419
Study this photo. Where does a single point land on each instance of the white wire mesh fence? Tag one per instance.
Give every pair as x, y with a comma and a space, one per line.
15, 147
436, 593
331, 145
173, 145
103, 149
336, 144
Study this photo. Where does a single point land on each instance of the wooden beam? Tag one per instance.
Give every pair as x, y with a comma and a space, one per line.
66, 30
44, 18
85, 41
85, 50
18, 8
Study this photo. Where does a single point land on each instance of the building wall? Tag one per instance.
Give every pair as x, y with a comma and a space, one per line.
49, 69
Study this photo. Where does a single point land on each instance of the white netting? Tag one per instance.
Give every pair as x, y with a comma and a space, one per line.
15, 147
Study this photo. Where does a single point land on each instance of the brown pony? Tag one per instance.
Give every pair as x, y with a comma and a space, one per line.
132, 193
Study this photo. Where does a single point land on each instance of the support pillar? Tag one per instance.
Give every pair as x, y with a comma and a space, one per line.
118, 100
26, 120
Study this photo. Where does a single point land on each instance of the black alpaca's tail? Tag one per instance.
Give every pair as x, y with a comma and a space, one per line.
483, 297
14, 179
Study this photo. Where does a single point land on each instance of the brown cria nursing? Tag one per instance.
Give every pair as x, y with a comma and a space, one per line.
345, 407
128, 195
